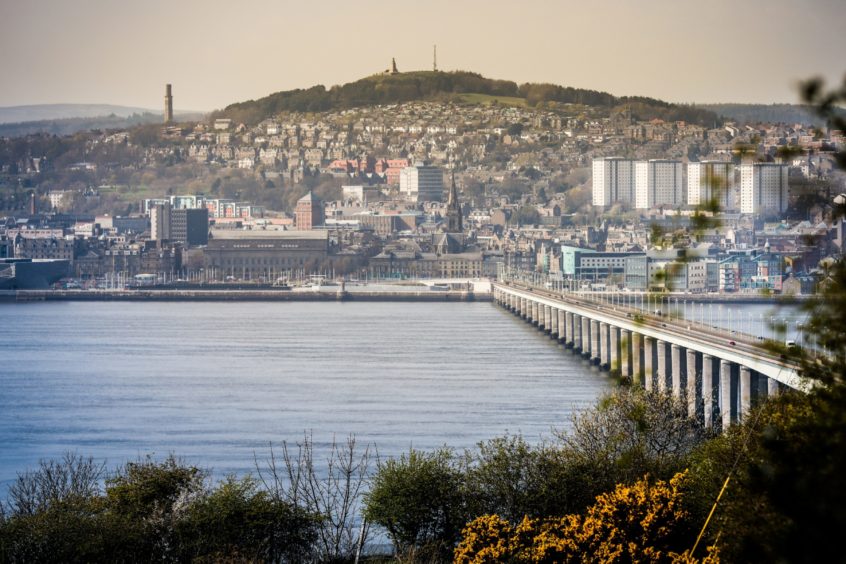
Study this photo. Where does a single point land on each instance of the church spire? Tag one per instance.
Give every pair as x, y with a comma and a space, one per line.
454, 219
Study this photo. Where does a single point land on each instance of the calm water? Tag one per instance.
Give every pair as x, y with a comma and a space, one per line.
217, 382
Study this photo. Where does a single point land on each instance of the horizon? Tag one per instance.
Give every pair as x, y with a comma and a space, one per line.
105, 60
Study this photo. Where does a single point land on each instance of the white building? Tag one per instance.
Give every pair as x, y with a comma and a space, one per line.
711, 180
658, 183
160, 222
421, 183
763, 188
613, 181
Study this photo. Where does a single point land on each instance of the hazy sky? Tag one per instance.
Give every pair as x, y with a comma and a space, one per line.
215, 53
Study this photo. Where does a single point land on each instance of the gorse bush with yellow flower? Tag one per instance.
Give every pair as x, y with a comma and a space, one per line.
642, 522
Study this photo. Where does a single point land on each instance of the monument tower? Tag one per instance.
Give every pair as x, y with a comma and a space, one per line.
168, 109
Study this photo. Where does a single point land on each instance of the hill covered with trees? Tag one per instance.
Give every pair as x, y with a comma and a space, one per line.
432, 85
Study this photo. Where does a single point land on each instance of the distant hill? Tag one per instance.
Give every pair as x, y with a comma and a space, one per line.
763, 113
69, 126
40, 112
431, 85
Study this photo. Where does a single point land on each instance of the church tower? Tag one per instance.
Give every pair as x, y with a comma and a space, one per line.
454, 219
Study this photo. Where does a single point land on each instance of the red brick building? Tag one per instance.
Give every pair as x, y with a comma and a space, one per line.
309, 212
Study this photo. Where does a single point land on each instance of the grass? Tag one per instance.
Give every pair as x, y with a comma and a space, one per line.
487, 100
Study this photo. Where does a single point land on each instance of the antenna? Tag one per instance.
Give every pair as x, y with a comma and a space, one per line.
435, 59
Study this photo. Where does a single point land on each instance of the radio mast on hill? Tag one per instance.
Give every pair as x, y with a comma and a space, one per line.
435, 59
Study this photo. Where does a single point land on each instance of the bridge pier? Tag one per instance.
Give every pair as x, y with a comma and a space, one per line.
604, 352
772, 387
562, 326
648, 357
745, 391
594, 342
626, 354
661, 372
569, 333
726, 403
675, 352
535, 319
638, 368
585, 336
691, 388
708, 382
614, 341
554, 323
577, 332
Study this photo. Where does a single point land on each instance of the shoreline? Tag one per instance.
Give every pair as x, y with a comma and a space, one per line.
19, 296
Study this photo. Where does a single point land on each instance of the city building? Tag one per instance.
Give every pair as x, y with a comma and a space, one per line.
309, 212
658, 182
613, 181
251, 255
422, 183
190, 226
763, 188
711, 181
160, 222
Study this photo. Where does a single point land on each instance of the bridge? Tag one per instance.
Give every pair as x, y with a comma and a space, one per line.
719, 374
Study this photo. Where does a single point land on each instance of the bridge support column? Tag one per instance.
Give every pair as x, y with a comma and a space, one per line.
569, 333
562, 326
553, 323
691, 387
594, 341
585, 336
637, 360
675, 355
772, 387
648, 357
604, 356
614, 350
708, 390
545, 314
536, 313
745, 391
524, 303
577, 331
661, 346
625, 353
726, 406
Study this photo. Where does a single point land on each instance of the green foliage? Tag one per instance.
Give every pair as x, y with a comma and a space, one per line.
237, 521
632, 432
508, 477
418, 499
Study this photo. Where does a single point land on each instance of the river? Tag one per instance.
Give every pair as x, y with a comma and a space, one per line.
216, 382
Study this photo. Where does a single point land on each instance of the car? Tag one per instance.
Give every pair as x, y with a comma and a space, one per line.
732, 343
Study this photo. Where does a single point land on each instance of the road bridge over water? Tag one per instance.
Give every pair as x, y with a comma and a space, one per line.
721, 376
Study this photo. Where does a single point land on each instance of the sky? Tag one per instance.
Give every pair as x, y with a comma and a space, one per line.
216, 53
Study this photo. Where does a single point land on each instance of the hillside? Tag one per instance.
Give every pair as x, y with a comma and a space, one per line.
41, 112
764, 113
69, 126
455, 86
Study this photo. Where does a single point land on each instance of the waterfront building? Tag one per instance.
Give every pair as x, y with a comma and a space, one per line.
422, 183
658, 182
613, 181
763, 188
251, 255
711, 181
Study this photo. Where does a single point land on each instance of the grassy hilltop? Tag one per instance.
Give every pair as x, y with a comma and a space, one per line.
456, 86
